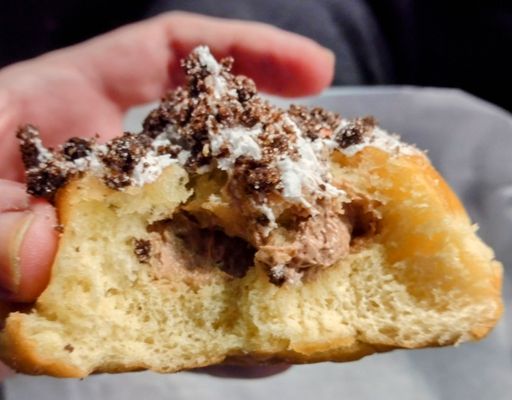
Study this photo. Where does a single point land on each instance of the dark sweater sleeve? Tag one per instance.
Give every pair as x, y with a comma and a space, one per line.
348, 27
425, 43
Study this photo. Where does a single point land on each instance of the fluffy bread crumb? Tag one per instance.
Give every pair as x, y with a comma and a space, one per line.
425, 279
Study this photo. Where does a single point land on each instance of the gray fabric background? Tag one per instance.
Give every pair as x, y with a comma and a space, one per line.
470, 141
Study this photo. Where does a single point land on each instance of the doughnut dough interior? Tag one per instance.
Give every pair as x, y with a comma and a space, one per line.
424, 279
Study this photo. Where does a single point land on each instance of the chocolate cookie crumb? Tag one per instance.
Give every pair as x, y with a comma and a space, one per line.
123, 154
183, 128
256, 176
262, 220
354, 131
156, 122
276, 279
142, 249
69, 348
76, 148
30, 152
245, 88
45, 182
315, 122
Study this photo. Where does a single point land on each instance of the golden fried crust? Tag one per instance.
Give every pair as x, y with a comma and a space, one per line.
415, 166
22, 357
20, 353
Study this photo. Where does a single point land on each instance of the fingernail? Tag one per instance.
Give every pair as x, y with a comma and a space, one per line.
5, 372
331, 55
330, 52
13, 227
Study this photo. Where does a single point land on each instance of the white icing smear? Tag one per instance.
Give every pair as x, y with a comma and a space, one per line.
183, 156
147, 170
269, 213
161, 140
240, 142
207, 60
307, 172
150, 167
291, 179
290, 275
217, 84
95, 164
215, 81
43, 154
382, 140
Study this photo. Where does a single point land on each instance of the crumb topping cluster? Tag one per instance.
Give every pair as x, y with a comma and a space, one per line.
216, 121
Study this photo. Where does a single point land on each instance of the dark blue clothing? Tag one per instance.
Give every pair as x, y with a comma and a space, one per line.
428, 42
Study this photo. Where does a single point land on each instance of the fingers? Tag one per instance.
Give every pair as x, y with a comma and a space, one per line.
28, 242
5, 372
280, 62
84, 89
137, 63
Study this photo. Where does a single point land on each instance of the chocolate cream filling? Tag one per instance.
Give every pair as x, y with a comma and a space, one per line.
298, 249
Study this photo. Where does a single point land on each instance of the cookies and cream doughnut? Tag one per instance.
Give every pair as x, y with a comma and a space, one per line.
230, 230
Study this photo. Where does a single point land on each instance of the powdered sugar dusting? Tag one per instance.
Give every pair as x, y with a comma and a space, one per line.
240, 142
183, 156
43, 154
93, 161
150, 167
162, 140
215, 81
382, 140
308, 172
207, 60
291, 179
269, 214
282, 273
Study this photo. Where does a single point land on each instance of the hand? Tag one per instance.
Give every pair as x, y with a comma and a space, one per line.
86, 89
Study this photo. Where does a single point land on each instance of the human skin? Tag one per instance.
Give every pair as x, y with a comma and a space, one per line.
85, 90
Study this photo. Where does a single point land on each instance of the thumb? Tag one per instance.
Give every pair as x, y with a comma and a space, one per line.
28, 241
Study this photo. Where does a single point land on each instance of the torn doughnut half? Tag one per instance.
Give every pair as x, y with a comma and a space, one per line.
232, 231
